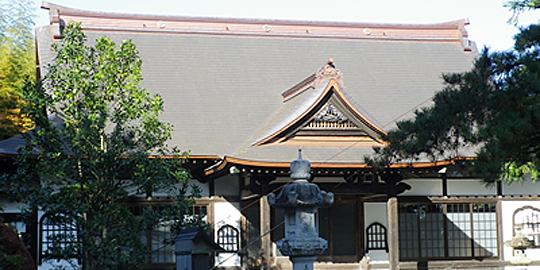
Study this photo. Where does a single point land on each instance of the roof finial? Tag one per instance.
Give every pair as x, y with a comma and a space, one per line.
300, 168
331, 61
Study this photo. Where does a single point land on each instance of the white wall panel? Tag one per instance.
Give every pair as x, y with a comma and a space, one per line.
226, 213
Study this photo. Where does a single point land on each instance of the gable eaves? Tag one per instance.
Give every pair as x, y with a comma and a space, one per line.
347, 125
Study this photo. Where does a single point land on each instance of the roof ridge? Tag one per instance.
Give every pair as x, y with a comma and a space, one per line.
453, 24
452, 31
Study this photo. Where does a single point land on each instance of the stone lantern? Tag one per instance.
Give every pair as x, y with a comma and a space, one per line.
520, 243
300, 200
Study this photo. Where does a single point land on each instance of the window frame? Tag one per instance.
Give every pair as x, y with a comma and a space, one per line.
482, 229
136, 204
376, 237
45, 233
229, 238
532, 222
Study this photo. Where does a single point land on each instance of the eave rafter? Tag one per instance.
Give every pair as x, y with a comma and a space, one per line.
321, 169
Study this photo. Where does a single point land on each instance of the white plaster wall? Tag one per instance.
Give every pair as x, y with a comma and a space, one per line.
227, 186
226, 213
521, 188
423, 187
205, 189
375, 212
458, 187
507, 210
10, 207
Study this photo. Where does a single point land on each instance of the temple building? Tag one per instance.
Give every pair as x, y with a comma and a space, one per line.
245, 94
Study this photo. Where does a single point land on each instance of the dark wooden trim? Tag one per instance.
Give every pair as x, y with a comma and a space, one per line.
361, 225
444, 184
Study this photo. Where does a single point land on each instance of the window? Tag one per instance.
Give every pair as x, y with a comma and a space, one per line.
339, 224
376, 237
228, 238
440, 231
159, 238
57, 232
527, 219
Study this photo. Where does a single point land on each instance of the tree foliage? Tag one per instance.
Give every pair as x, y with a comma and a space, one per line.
520, 6
13, 252
495, 107
98, 141
17, 64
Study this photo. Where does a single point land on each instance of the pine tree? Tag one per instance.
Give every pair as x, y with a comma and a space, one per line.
494, 107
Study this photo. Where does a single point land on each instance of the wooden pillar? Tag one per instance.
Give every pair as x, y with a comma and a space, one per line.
444, 184
393, 233
266, 243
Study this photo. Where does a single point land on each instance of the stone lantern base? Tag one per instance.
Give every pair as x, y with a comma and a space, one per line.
303, 262
520, 259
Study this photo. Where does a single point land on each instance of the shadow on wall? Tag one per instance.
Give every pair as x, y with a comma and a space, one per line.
447, 231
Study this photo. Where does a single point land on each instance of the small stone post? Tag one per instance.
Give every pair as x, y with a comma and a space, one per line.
300, 200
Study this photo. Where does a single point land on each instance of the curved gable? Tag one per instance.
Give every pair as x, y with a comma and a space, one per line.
323, 117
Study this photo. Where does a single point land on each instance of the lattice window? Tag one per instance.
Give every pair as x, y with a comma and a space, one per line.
57, 233
376, 237
442, 231
228, 238
527, 219
158, 238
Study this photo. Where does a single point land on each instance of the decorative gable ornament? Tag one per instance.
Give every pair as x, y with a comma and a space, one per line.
331, 117
316, 112
328, 71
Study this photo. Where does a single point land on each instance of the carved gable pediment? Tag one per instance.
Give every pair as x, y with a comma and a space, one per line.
330, 117
323, 116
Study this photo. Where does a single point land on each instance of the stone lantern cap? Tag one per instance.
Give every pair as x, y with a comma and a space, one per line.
519, 241
300, 193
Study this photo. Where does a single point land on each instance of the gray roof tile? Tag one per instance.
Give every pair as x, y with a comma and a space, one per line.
222, 90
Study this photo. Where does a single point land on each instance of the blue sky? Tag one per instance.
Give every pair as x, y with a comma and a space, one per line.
488, 17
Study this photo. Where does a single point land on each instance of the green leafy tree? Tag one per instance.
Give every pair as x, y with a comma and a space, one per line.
98, 141
494, 108
17, 64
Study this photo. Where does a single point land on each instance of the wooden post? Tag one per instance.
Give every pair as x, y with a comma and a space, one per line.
266, 243
393, 233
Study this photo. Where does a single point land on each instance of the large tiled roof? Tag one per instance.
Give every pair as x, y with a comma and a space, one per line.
222, 79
